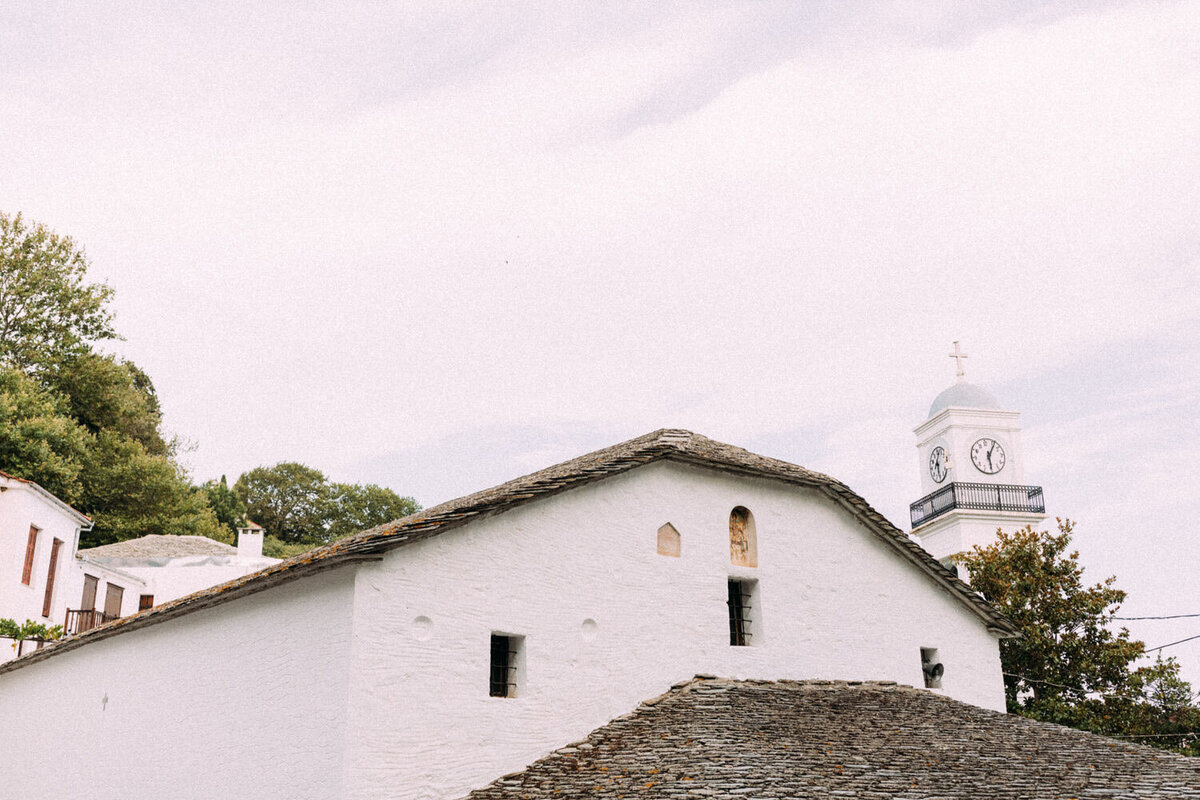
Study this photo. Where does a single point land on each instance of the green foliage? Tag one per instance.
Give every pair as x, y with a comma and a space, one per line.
29, 631
288, 500
354, 507
88, 427
105, 394
226, 505
297, 504
39, 439
274, 547
48, 311
1069, 666
131, 493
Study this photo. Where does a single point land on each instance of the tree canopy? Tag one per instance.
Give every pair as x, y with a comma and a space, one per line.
298, 505
39, 439
48, 311
1070, 666
88, 426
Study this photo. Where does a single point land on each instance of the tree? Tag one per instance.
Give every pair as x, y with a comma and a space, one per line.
130, 492
106, 394
354, 507
1066, 650
1069, 666
39, 439
47, 309
298, 505
226, 505
288, 500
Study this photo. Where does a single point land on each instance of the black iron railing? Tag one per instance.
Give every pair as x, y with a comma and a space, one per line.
977, 496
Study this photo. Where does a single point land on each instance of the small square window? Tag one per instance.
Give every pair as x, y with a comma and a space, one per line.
743, 597
508, 653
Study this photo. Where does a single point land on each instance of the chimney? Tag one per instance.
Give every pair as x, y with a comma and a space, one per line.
250, 540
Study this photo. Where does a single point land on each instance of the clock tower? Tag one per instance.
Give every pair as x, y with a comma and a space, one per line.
972, 476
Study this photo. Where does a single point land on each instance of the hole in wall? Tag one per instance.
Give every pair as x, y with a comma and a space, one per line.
422, 628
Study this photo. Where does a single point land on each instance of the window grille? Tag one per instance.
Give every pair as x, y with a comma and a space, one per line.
739, 613
503, 681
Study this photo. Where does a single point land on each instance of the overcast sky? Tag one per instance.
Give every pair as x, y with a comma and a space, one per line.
436, 247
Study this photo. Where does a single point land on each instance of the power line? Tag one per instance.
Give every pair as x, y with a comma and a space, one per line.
1072, 688
1150, 735
1172, 616
1172, 644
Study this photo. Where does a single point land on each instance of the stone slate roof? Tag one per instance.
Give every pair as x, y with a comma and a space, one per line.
711, 738
669, 444
161, 546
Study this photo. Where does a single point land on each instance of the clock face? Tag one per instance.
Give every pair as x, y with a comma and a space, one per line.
988, 456
938, 464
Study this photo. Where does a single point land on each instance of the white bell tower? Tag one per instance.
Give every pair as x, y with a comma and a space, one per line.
972, 476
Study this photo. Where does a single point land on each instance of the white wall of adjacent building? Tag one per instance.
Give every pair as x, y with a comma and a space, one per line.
23, 506
246, 699
163, 579
608, 622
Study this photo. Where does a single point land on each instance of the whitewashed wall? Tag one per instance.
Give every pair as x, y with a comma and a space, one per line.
132, 585
243, 700
20, 507
835, 603
167, 580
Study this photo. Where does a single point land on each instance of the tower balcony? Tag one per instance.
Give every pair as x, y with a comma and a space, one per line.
977, 497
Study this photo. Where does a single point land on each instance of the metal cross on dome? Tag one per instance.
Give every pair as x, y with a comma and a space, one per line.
958, 355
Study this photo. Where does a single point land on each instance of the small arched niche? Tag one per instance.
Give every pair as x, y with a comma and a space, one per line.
668, 541
743, 539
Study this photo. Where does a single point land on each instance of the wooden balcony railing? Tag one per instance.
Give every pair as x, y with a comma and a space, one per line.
84, 619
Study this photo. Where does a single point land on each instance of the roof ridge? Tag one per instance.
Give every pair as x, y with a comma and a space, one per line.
676, 444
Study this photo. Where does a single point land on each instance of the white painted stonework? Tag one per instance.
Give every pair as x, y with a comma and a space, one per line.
22, 505
163, 578
245, 700
372, 681
835, 603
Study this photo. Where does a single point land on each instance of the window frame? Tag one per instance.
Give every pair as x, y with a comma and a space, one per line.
48, 600
742, 601
506, 665
30, 555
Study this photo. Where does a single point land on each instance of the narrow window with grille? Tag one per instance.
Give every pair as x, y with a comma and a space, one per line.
505, 665
741, 612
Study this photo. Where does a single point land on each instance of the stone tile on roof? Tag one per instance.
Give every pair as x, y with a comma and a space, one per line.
823, 739
161, 546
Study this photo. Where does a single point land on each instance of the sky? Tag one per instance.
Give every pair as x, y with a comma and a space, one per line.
436, 246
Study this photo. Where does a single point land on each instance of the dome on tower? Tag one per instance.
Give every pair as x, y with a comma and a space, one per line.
963, 395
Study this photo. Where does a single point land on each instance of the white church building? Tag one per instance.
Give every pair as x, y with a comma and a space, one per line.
427, 657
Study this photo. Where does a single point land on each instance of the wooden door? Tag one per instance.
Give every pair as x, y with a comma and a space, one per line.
54, 548
112, 601
88, 603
